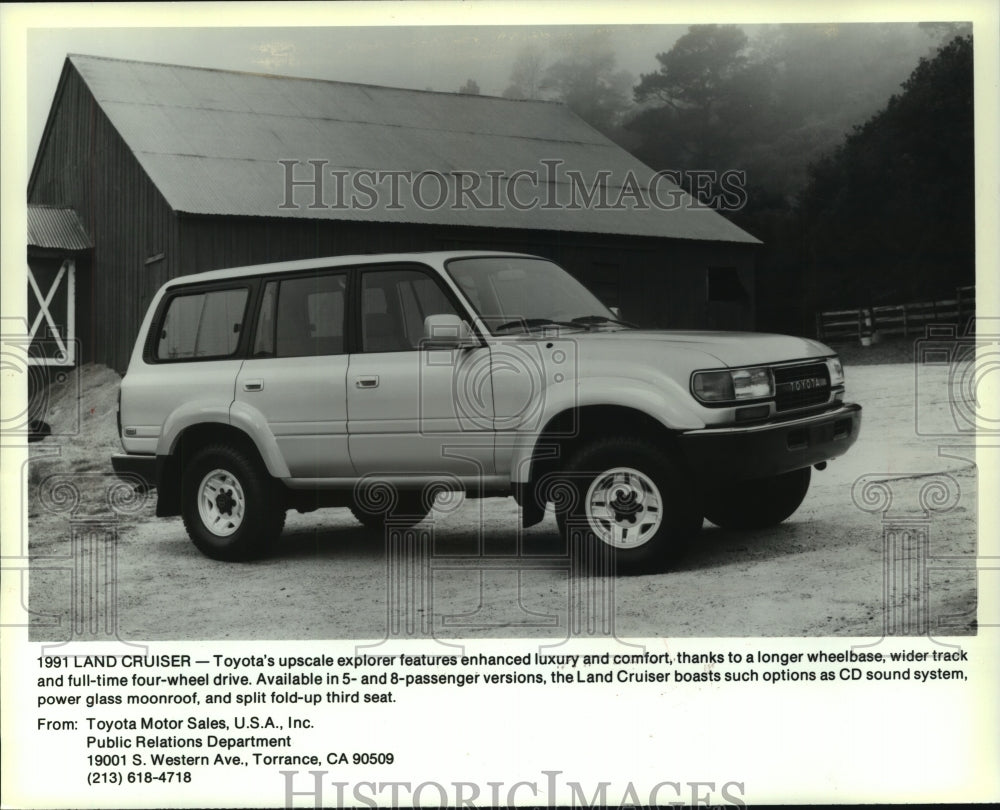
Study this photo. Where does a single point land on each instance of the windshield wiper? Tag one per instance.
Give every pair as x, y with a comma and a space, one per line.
588, 320
531, 323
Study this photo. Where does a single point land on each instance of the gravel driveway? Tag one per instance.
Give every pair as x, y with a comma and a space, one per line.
824, 572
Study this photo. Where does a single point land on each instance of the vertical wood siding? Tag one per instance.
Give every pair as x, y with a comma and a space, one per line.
84, 162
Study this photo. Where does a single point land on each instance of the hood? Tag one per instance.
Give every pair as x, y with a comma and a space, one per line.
728, 348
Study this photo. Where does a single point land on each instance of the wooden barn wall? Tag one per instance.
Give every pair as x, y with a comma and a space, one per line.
656, 282
84, 163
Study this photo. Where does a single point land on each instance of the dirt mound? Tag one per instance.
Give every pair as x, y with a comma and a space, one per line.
83, 403
79, 407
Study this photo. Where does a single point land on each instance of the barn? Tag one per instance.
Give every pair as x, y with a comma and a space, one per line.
169, 170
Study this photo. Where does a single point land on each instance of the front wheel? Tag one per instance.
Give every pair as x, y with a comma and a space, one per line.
629, 504
231, 510
760, 502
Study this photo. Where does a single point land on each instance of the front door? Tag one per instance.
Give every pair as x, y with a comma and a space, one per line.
415, 410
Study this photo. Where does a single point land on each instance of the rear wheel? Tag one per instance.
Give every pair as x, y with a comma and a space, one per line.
231, 508
760, 502
629, 504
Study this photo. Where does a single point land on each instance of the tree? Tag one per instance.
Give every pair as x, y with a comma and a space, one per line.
943, 32
586, 80
470, 88
772, 104
707, 107
526, 75
825, 79
882, 216
889, 215
696, 72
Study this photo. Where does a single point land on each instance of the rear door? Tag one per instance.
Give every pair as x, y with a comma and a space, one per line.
415, 410
297, 369
190, 360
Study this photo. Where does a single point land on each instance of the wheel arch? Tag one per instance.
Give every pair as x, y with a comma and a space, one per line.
572, 428
186, 445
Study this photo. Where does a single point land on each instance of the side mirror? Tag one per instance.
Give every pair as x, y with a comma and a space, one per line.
446, 332
616, 311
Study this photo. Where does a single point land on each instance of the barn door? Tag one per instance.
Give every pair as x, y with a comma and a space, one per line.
51, 312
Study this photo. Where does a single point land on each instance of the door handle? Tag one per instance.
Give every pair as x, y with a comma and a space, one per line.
253, 385
367, 382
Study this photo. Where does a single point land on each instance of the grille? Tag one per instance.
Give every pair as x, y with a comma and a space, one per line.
801, 386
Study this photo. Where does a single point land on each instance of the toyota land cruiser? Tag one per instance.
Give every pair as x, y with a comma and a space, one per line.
374, 382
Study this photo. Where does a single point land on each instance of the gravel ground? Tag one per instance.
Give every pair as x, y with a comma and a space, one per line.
824, 572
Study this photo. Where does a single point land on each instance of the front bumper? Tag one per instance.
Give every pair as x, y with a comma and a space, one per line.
130, 467
761, 451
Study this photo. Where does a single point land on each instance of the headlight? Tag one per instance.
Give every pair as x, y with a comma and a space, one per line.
733, 385
713, 386
836, 371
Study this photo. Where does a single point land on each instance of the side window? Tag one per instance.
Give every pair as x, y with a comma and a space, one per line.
202, 325
394, 305
310, 316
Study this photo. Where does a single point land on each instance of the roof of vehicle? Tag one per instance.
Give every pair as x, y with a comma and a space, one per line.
431, 258
212, 141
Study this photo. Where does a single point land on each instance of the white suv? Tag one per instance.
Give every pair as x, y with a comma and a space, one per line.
374, 382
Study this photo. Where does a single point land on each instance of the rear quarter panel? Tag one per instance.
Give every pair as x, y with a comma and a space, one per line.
159, 400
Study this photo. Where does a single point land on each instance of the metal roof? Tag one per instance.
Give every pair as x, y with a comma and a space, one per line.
211, 141
57, 228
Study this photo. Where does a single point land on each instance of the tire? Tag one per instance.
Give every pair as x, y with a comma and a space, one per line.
407, 508
758, 503
231, 508
631, 508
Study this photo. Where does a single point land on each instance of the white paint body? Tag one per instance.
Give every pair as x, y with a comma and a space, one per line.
471, 414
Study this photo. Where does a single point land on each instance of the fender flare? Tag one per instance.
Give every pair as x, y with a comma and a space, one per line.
666, 403
252, 422
195, 412
238, 415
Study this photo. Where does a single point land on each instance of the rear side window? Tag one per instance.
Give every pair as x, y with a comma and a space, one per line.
202, 325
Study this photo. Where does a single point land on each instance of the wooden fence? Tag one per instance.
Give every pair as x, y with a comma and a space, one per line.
901, 319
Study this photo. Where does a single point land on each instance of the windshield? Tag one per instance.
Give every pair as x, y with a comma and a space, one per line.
514, 293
